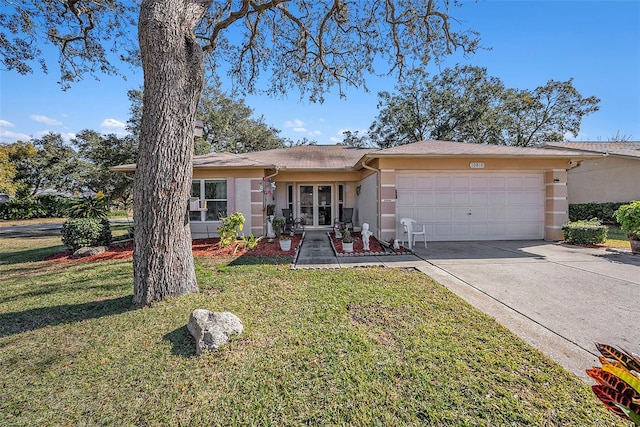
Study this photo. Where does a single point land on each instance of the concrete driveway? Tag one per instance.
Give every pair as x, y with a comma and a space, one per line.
559, 298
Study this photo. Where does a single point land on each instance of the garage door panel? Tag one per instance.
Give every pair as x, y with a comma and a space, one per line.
442, 183
480, 230
424, 198
460, 199
424, 183
404, 181
460, 183
405, 198
497, 213
479, 199
460, 231
502, 205
441, 232
480, 214
424, 216
460, 214
443, 199
479, 183
514, 183
497, 183
443, 214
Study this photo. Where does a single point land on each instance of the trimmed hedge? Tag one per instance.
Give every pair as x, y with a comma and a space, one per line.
590, 232
602, 211
81, 232
36, 207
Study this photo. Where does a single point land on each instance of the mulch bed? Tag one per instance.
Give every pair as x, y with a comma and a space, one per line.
375, 247
201, 248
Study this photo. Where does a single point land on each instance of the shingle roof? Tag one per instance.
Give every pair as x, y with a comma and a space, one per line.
434, 148
312, 157
340, 157
213, 160
229, 160
627, 149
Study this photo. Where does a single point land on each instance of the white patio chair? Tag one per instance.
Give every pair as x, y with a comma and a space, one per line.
411, 228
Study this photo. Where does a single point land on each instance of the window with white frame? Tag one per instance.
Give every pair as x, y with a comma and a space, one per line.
210, 196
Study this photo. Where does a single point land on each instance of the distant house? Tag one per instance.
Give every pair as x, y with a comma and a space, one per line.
460, 191
613, 176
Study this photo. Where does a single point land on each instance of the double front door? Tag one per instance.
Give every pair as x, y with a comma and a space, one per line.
315, 204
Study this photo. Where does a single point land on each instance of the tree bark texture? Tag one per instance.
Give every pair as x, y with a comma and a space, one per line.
173, 67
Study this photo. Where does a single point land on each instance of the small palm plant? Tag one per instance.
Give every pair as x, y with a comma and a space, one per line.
346, 236
618, 382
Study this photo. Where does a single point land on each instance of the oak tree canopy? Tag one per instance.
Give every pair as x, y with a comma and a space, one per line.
313, 45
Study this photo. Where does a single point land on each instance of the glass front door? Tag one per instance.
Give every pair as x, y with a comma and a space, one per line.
315, 204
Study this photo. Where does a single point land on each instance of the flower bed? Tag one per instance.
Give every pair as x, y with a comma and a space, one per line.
375, 247
201, 248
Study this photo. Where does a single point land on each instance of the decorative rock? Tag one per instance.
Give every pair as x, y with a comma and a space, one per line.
89, 251
211, 330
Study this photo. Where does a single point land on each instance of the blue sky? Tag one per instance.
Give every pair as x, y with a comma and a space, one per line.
597, 43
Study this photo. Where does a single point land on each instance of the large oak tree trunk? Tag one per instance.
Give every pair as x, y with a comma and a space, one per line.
173, 67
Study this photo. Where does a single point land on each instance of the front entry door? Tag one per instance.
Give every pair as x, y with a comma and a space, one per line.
315, 204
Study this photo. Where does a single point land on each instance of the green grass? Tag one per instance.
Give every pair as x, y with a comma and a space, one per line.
341, 347
617, 238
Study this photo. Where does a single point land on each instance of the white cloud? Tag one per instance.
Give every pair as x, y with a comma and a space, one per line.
296, 124
335, 139
8, 136
315, 133
302, 130
112, 124
6, 124
44, 119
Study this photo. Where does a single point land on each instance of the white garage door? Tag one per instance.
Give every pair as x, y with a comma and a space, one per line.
474, 206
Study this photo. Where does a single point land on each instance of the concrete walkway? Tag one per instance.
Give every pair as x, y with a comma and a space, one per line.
316, 252
560, 299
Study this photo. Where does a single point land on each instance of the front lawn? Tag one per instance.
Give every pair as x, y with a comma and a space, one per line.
320, 347
617, 238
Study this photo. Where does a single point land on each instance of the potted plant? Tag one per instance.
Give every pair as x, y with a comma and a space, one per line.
278, 225
285, 242
628, 216
347, 240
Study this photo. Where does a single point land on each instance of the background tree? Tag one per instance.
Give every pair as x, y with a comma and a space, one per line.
230, 127
465, 104
547, 113
7, 173
45, 163
313, 45
97, 153
228, 123
355, 139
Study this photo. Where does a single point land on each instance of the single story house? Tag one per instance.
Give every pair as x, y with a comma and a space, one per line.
459, 191
614, 176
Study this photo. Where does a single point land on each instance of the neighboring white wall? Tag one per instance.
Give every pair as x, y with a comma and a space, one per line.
609, 179
367, 203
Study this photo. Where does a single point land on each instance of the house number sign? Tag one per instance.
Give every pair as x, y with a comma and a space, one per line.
476, 165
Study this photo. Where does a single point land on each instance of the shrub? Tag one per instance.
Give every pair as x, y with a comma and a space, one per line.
585, 232
81, 232
35, 207
90, 207
605, 212
629, 218
228, 230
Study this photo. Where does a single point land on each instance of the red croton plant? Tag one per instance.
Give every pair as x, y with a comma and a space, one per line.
618, 382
